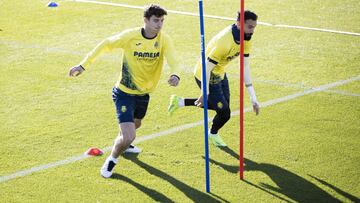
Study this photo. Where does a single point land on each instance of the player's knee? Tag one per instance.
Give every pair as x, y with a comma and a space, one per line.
128, 139
118, 140
225, 114
131, 139
124, 139
128, 136
137, 123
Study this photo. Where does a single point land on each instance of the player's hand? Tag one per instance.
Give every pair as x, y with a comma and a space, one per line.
75, 71
174, 80
256, 107
200, 101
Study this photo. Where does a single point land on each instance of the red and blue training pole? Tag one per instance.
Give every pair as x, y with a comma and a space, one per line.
241, 90
203, 82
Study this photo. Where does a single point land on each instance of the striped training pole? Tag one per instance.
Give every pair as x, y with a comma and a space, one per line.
241, 89
207, 171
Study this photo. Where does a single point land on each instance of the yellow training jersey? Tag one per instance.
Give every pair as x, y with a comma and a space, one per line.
221, 49
143, 59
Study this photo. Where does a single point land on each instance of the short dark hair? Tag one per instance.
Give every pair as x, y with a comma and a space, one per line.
154, 9
247, 15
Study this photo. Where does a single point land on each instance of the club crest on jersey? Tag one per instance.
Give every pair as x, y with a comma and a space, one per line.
220, 105
123, 109
156, 45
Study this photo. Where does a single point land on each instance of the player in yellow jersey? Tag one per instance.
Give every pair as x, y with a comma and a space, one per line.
144, 51
222, 48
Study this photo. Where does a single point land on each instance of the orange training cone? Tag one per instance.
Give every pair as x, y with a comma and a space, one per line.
93, 151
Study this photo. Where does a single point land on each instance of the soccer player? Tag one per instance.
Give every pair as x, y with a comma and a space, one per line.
144, 50
222, 48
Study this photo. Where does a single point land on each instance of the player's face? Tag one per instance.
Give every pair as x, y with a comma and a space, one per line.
154, 24
249, 26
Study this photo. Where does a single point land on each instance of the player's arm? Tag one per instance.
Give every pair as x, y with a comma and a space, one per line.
249, 86
173, 62
103, 47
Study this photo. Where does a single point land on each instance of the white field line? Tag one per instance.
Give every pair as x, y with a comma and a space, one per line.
318, 29
343, 93
301, 86
294, 85
281, 84
218, 17
170, 131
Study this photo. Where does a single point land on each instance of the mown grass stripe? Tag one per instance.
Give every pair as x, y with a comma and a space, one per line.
170, 131
220, 17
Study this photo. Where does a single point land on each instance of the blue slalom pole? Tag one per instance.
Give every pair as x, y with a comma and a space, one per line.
207, 171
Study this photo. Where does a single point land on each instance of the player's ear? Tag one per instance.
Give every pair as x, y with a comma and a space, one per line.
238, 24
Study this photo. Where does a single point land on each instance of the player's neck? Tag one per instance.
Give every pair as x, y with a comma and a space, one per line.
148, 34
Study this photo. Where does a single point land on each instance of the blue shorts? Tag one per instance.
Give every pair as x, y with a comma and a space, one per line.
128, 106
219, 94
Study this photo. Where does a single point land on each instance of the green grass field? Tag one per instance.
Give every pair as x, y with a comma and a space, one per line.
304, 148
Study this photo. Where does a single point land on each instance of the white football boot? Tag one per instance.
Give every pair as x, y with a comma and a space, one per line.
108, 167
133, 149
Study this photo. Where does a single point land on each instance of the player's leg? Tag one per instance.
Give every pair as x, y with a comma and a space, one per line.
125, 105
219, 101
121, 143
126, 137
132, 148
226, 89
141, 104
137, 123
177, 102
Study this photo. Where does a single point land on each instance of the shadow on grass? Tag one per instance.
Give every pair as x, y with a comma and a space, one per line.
155, 195
339, 191
287, 183
192, 193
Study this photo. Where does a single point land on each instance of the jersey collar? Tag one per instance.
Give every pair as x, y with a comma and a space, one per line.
143, 34
236, 33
